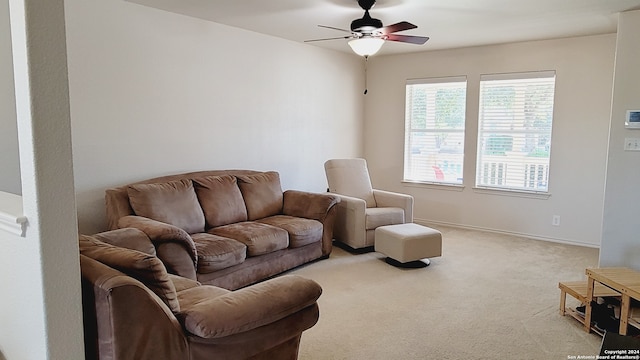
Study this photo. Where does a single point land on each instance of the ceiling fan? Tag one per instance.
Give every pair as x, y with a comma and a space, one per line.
369, 34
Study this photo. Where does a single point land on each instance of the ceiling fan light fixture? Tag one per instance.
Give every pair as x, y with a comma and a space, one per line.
366, 46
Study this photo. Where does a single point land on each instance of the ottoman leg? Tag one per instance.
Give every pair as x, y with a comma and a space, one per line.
410, 264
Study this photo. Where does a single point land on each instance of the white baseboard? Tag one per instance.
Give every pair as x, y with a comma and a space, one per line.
426, 222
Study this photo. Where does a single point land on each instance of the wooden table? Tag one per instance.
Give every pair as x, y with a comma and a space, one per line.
623, 280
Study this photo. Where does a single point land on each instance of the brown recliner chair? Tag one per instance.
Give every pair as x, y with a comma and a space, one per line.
134, 309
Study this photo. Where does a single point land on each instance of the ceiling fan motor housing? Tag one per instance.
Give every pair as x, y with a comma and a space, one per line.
367, 24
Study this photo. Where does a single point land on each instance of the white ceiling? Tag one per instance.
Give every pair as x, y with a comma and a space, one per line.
449, 23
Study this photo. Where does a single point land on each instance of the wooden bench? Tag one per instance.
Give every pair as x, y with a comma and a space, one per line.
578, 289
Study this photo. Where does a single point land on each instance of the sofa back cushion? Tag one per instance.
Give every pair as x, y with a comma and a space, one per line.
145, 268
221, 200
262, 194
173, 202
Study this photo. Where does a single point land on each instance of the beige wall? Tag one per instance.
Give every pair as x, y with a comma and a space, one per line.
154, 93
584, 71
621, 227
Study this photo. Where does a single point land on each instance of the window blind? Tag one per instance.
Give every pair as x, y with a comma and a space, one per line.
514, 131
434, 130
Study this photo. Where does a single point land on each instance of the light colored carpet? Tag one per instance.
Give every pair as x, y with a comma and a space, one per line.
489, 296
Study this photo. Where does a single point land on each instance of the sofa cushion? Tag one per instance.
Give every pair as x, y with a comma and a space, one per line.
173, 202
145, 268
262, 194
217, 252
221, 200
375, 217
259, 238
301, 231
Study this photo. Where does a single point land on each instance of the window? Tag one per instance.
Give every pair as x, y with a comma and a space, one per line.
514, 134
434, 130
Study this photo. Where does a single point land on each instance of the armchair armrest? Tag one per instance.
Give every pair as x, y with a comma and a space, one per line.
130, 238
350, 221
173, 245
251, 307
351, 202
112, 302
393, 199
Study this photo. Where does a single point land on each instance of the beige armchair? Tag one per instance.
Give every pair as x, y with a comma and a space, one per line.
362, 208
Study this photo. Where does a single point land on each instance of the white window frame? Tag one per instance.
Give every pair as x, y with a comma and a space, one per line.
415, 171
530, 174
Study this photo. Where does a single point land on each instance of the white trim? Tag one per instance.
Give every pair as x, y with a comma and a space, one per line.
511, 192
433, 185
519, 76
11, 218
511, 233
439, 80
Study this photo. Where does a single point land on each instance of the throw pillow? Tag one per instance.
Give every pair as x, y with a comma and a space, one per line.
145, 268
173, 202
262, 194
221, 200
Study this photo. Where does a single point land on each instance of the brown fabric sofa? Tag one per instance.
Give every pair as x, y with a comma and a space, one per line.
228, 228
134, 309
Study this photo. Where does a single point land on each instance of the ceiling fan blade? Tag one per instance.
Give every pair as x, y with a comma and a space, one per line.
335, 28
401, 26
418, 40
333, 38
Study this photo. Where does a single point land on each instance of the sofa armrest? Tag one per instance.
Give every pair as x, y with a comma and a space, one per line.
321, 207
251, 307
393, 199
173, 245
308, 205
124, 319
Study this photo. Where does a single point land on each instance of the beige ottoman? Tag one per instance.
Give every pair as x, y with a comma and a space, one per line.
406, 244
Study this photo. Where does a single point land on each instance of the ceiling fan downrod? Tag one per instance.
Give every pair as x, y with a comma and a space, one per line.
366, 5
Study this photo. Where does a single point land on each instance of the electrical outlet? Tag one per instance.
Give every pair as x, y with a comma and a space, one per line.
631, 144
556, 220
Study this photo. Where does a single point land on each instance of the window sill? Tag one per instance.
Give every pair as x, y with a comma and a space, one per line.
11, 218
516, 193
434, 185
